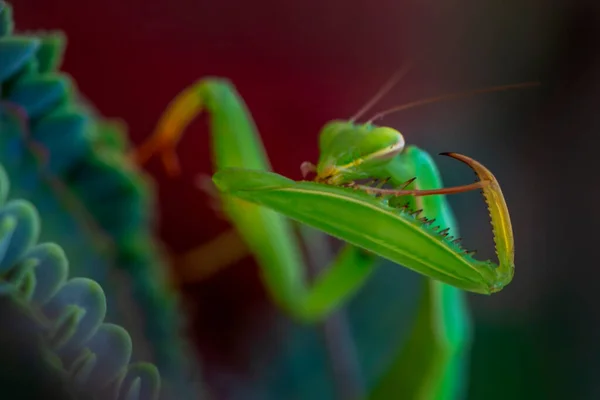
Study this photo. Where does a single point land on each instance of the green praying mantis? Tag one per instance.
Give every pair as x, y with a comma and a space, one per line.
411, 225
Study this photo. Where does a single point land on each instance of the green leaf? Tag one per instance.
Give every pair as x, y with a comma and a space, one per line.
6, 21
15, 53
51, 51
35, 93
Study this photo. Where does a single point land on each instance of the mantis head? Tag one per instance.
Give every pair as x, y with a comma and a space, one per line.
350, 151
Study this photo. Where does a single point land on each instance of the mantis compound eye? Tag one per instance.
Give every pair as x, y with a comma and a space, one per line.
391, 143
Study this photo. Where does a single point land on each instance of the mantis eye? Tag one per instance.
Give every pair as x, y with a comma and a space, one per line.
390, 141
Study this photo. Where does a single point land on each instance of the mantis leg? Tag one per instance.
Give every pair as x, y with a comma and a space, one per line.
436, 351
268, 235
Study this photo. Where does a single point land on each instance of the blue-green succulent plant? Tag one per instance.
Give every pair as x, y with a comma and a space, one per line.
107, 317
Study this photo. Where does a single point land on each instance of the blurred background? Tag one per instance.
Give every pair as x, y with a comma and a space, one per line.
299, 64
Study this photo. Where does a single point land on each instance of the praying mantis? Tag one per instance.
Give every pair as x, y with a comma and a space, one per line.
396, 224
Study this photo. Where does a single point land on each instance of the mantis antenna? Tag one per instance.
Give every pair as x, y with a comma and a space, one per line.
451, 96
393, 81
